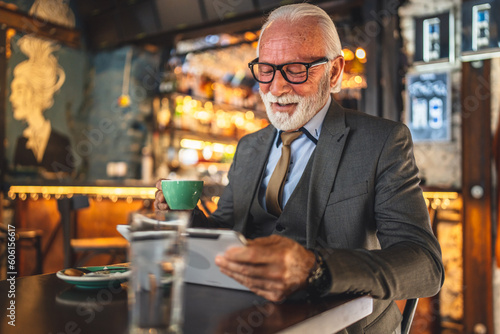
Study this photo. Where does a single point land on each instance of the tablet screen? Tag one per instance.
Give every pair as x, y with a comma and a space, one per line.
203, 245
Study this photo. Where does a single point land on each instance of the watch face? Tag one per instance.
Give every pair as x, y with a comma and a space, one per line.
320, 279
315, 274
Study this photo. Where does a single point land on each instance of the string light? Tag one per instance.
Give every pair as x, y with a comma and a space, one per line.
441, 200
48, 192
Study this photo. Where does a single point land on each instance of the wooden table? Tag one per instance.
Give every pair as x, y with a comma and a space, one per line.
45, 304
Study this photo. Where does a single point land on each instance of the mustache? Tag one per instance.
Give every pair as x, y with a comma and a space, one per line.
284, 99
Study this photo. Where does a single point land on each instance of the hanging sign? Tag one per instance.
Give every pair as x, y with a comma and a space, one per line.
428, 106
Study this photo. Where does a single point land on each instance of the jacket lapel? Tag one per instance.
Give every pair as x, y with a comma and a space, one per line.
251, 161
327, 156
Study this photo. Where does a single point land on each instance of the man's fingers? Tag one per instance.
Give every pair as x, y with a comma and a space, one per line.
273, 296
272, 272
158, 184
273, 291
160, 202
159, 196
242, 254
263, 271
162, 206
269, 289
254, 254
270, 240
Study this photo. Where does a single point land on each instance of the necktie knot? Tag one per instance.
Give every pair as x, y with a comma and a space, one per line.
288, 137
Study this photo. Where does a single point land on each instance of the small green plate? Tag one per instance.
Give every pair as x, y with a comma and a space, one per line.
97, 277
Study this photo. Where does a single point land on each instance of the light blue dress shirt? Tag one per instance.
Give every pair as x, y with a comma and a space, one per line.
301, 150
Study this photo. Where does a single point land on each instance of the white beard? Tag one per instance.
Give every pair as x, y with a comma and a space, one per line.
306, 107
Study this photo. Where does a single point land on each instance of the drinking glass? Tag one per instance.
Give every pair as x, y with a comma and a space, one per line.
157, 256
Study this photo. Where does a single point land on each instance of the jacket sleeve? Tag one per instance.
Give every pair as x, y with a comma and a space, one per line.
223, 216
409, 264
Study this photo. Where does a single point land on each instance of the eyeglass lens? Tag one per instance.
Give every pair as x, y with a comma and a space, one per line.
292, 72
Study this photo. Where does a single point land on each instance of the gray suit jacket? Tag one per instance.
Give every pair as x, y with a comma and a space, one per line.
364, 210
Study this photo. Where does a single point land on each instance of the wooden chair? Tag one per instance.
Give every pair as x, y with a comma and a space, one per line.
90, 247
24, 238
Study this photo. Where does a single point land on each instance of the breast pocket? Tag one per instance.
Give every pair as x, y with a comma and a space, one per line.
343, 193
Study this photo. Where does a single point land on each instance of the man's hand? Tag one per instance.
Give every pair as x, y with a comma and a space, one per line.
272, 267
160, 203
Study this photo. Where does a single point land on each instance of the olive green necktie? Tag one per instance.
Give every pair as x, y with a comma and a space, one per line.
274, 191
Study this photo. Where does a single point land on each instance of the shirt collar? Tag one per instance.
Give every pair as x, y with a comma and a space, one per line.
312, 129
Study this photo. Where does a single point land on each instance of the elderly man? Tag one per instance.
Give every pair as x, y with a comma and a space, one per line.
341, 213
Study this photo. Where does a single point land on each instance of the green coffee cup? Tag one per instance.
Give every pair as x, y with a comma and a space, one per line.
181, 194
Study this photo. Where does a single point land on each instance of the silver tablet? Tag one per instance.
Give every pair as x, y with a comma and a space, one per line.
203, 245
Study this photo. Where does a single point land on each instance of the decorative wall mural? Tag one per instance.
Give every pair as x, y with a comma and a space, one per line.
34, 84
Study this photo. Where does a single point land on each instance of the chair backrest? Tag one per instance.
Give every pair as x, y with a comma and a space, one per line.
408, 313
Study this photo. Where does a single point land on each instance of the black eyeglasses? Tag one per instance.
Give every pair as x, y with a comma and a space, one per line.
295, 73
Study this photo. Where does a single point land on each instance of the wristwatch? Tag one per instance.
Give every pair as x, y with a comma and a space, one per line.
320, 278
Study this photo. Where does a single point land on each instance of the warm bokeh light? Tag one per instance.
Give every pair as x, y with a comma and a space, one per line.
440, 195
209, 105
360, 53
192, 144
124, 101
230, 149
219, 148
9, 34
348, 54
250, 36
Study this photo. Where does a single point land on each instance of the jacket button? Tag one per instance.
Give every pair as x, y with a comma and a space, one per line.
280, 228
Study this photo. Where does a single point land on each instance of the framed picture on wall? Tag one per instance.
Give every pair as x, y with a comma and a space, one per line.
432, 39
428, 106
480, 29
44, 95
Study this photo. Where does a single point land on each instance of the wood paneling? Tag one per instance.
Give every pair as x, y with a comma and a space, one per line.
3, 100
476, 185
98, 220
496, 155
40, 27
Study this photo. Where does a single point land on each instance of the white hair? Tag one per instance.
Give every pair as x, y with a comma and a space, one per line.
298, 12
